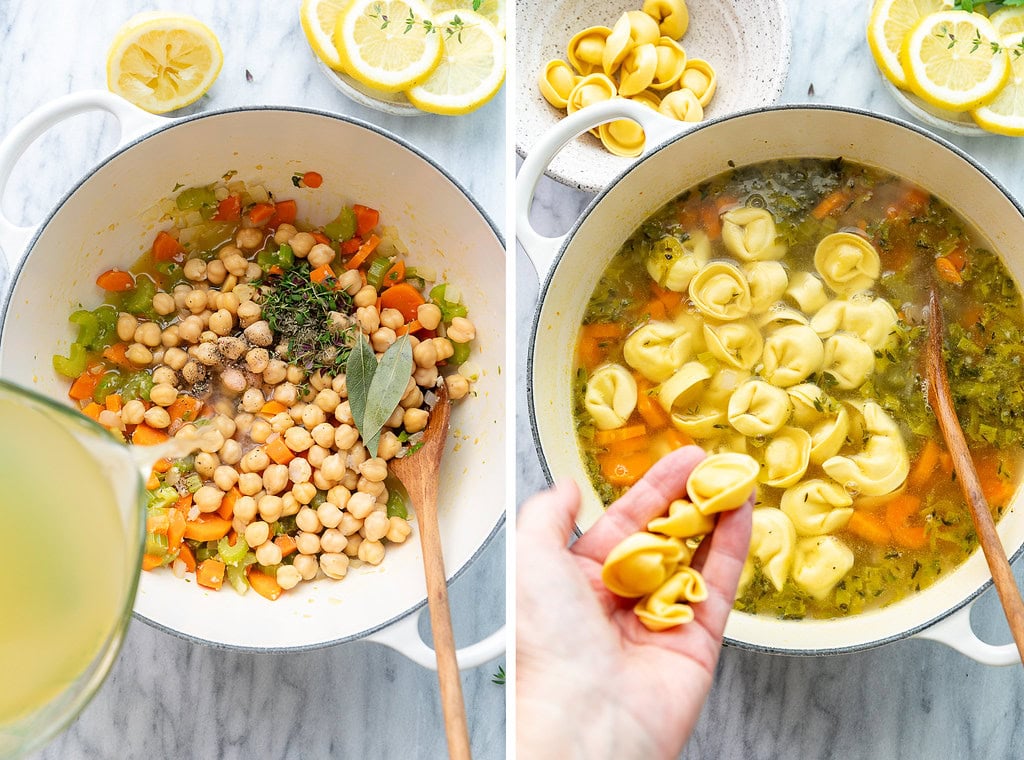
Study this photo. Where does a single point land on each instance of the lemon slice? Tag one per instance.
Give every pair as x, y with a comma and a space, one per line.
890, 22
471, 70
1005, 113
1008, 21
492, 10
949, 60
163, 61
385, 45
318, 19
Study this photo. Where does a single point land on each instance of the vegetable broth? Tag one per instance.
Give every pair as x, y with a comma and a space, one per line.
63, 560
923, 527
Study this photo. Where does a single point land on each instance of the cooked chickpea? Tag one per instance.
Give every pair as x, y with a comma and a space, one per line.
352, 547
252, 400
245, 508
350, 281
356, 456
375, 526
334, 565
425, 354
338, 496
333, 541
268, 554
249, 239
428, 315
163, 394
165, 375
289, 504
206, 464
323, 434
461, 330
259, 333
302, 243
398, 530
375, 469
345, 435
312, 416
288, 577
157, 417
206, 354
368, 319
414, 420
371, 552
286, 393
275, 372
225, 477
222, 322
225, 425
257, 533
425, 377
190, 328
444, 348
284, 233
250, 483
139, 355
260, 431
248, 313
343, 414
458, 386
351, 480
270, 509
195, 302
216, 272
307, 543
371, 487
307, 520
295, 412
208, 498
257, 359
126, 326
230, 452
195, 270
360, 505
193, 372
299, 470
236, 265
316, 455
255, 460
365, 296
392, 318
132, 412
329, 515
320, 254
169, 338
333, 468
350, 524
275, 478
304, 493
395, 420
413, 398
327, 400
298, 439
321, 483
175, 358
307, 566
163, 304
340, 386
389, 445
382, 338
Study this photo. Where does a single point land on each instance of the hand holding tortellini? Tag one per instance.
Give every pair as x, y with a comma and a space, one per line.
638, 58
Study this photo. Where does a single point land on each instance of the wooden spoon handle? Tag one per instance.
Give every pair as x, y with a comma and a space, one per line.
995, 554
444, 640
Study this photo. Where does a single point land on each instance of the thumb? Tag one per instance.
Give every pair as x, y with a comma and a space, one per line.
548, 517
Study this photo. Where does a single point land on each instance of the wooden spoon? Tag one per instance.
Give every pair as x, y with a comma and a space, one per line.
420, 473
942, 403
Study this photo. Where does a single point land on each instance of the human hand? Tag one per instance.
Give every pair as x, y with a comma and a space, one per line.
592, 681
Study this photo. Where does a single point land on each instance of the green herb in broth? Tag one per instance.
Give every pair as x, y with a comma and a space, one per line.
984, 349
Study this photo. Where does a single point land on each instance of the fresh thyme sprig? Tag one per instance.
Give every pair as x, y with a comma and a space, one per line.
977, 42
453, 28
499, 677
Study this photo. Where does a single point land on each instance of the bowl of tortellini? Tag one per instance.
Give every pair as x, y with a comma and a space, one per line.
756, 285
686, 60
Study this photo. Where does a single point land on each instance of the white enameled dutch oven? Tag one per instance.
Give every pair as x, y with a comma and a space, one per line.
571, 266
110, 217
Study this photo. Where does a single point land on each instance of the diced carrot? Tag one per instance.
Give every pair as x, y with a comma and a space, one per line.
263, 584
409, 327
92, 410
229, 209
153, 482
144, 435
321, 273
627, 470
652, 412
278, 451
116, 281
947, 271
210, 573
175, 528
113, 402
395, 275
710, 222
366, 219
403, 297
184, 408
915, 199
870, 527
656, 309
227, 504
271, 408
185, 555
900, 511
115, 354
86, 383
350, 246
958, 258
207, 527
996, 488
830, 204
284, 213
149, 562
167, 248
321, 238
159, 522
971, 315
669, 298
602, 331
312, 179
286, 544
626, 447
184, 504
926, 462
275, 270
363, 253
261, 212
162, 465
589, 353
675, 439
605, 437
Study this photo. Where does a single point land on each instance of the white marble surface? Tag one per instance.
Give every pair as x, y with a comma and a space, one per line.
166, 698
909, 700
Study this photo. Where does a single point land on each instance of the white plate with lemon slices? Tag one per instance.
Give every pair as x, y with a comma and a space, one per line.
956, 71
408, 57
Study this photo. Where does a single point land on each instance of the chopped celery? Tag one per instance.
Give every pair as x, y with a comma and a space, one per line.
396, 505
95, 328
109, 383
319, 498
460, 352
284, 525
283, 257
378, 268
206, 551
232, 555
416, 281
270, 570
137, 386
194, 198
88, 326
140, 299
343, 226
193, 482
236, 577
73, 364
449, 309
186, 465
163, 497
156, 544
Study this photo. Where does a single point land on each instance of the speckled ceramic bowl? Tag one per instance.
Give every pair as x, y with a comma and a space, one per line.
748, 44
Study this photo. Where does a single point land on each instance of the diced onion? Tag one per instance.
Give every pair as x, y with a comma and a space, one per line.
470, 370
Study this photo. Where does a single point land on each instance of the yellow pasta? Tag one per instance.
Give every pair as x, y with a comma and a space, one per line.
641, 563
722, 482
669, 606
556, 81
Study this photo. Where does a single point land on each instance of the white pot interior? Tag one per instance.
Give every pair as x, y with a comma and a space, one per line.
111, 218
701, 154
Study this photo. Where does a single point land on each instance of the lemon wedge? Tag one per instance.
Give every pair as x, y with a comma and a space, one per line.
1008, 21
385, 44
471, 70
318, 19
950, 62
1005, 113
163, 61
889, 23
492, 10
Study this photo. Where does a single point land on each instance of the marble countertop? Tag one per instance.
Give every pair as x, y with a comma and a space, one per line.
166, 698
908, 700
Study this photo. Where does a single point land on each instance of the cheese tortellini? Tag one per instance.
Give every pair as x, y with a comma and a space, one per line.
641, 563
881, 466
672, 263
817, 507
785, 457
873, 320
738, 344
807, 292
669, 606
768, 282
657, 349
772, 544
684, 520
586, 49
847, 263
720, 291
791, 354
758, 408
611, 396
672, 16
819, 563
722, 482
849, 360
749, 234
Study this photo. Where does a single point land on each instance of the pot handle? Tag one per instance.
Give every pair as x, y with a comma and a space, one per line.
955, 631
657, 128
131, 120
404, 637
